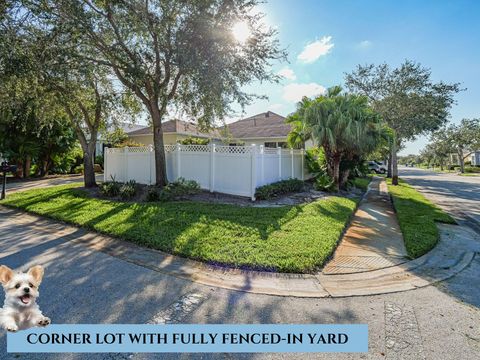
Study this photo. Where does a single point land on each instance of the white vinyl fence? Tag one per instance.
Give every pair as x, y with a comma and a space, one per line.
236, 170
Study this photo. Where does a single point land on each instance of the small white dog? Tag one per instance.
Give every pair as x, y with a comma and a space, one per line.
20, 310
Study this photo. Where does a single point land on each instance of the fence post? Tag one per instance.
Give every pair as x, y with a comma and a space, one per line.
150, 153
293, 170
262, 159
125, 156
302, 153
178, 150
279, 153
105, 161
253, 157
212, 167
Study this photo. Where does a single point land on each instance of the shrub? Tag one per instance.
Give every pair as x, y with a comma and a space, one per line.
128, 189
453, 167
153, 193
67, 162
323, 183
472, 169
173, 190
194, 141
99, 160
129, 143
110, 188
178, 188
278, 188
78, 169
315, 161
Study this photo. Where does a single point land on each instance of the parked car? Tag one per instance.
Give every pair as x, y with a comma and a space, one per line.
382, 166
377, 167
373, 166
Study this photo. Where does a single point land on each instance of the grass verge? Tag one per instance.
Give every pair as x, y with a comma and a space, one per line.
417, 217
285, 239
362, 182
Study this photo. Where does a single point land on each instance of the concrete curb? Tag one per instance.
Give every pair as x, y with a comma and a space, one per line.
420, 272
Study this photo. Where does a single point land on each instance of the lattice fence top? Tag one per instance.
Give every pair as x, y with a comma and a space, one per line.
233, 149
204, 149
139, 149
195, 148
170, 148
113, 150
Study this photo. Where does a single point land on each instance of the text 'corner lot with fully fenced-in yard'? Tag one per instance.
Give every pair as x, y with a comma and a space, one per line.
297, 238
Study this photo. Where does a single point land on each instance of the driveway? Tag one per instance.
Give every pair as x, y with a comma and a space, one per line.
84, 285
459, 195
47, 182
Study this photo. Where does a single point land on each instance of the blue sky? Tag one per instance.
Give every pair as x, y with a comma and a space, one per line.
325, 39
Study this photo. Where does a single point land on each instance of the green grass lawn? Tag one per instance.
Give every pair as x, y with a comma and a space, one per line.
362, 182
417, 217
285, 239
469, 174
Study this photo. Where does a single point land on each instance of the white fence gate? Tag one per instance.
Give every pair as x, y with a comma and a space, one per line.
236, 170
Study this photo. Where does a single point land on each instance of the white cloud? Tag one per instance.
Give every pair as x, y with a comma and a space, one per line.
295, 92
364, 44
287, 73
314, 50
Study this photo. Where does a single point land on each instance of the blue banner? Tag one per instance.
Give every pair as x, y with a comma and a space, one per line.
190, 338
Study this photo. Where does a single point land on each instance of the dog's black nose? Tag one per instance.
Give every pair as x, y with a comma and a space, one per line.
27, 290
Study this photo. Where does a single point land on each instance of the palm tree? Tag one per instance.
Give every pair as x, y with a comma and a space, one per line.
345, 126
300, 131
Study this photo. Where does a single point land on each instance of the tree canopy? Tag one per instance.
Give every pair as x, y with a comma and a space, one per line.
344, 125
406, 98
462, 139
173, 55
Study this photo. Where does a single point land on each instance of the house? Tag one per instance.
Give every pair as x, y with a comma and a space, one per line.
173, 132
473, 156
126, 127
476, 158
268, 129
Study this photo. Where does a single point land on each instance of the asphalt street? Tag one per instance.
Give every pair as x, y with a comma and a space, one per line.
82, 285
459, 195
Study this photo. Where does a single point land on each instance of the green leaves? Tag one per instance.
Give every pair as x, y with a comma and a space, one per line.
405, 97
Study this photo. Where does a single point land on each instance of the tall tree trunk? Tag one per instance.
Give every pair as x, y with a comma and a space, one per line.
389, 168
48, 164
344, 178
27, 166
160, 165
88, 166
394, 162
460, 159
336, 172
19, 172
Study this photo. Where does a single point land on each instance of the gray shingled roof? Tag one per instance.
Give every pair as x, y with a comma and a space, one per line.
264, 125
267, 124
176, 126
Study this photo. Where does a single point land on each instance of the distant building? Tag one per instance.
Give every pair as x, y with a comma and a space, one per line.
475, 158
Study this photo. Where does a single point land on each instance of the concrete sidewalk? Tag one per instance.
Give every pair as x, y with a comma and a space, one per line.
374, 240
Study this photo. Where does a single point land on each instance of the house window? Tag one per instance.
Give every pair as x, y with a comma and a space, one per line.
275, 144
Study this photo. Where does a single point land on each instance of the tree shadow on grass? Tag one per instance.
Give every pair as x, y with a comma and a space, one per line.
221, 234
